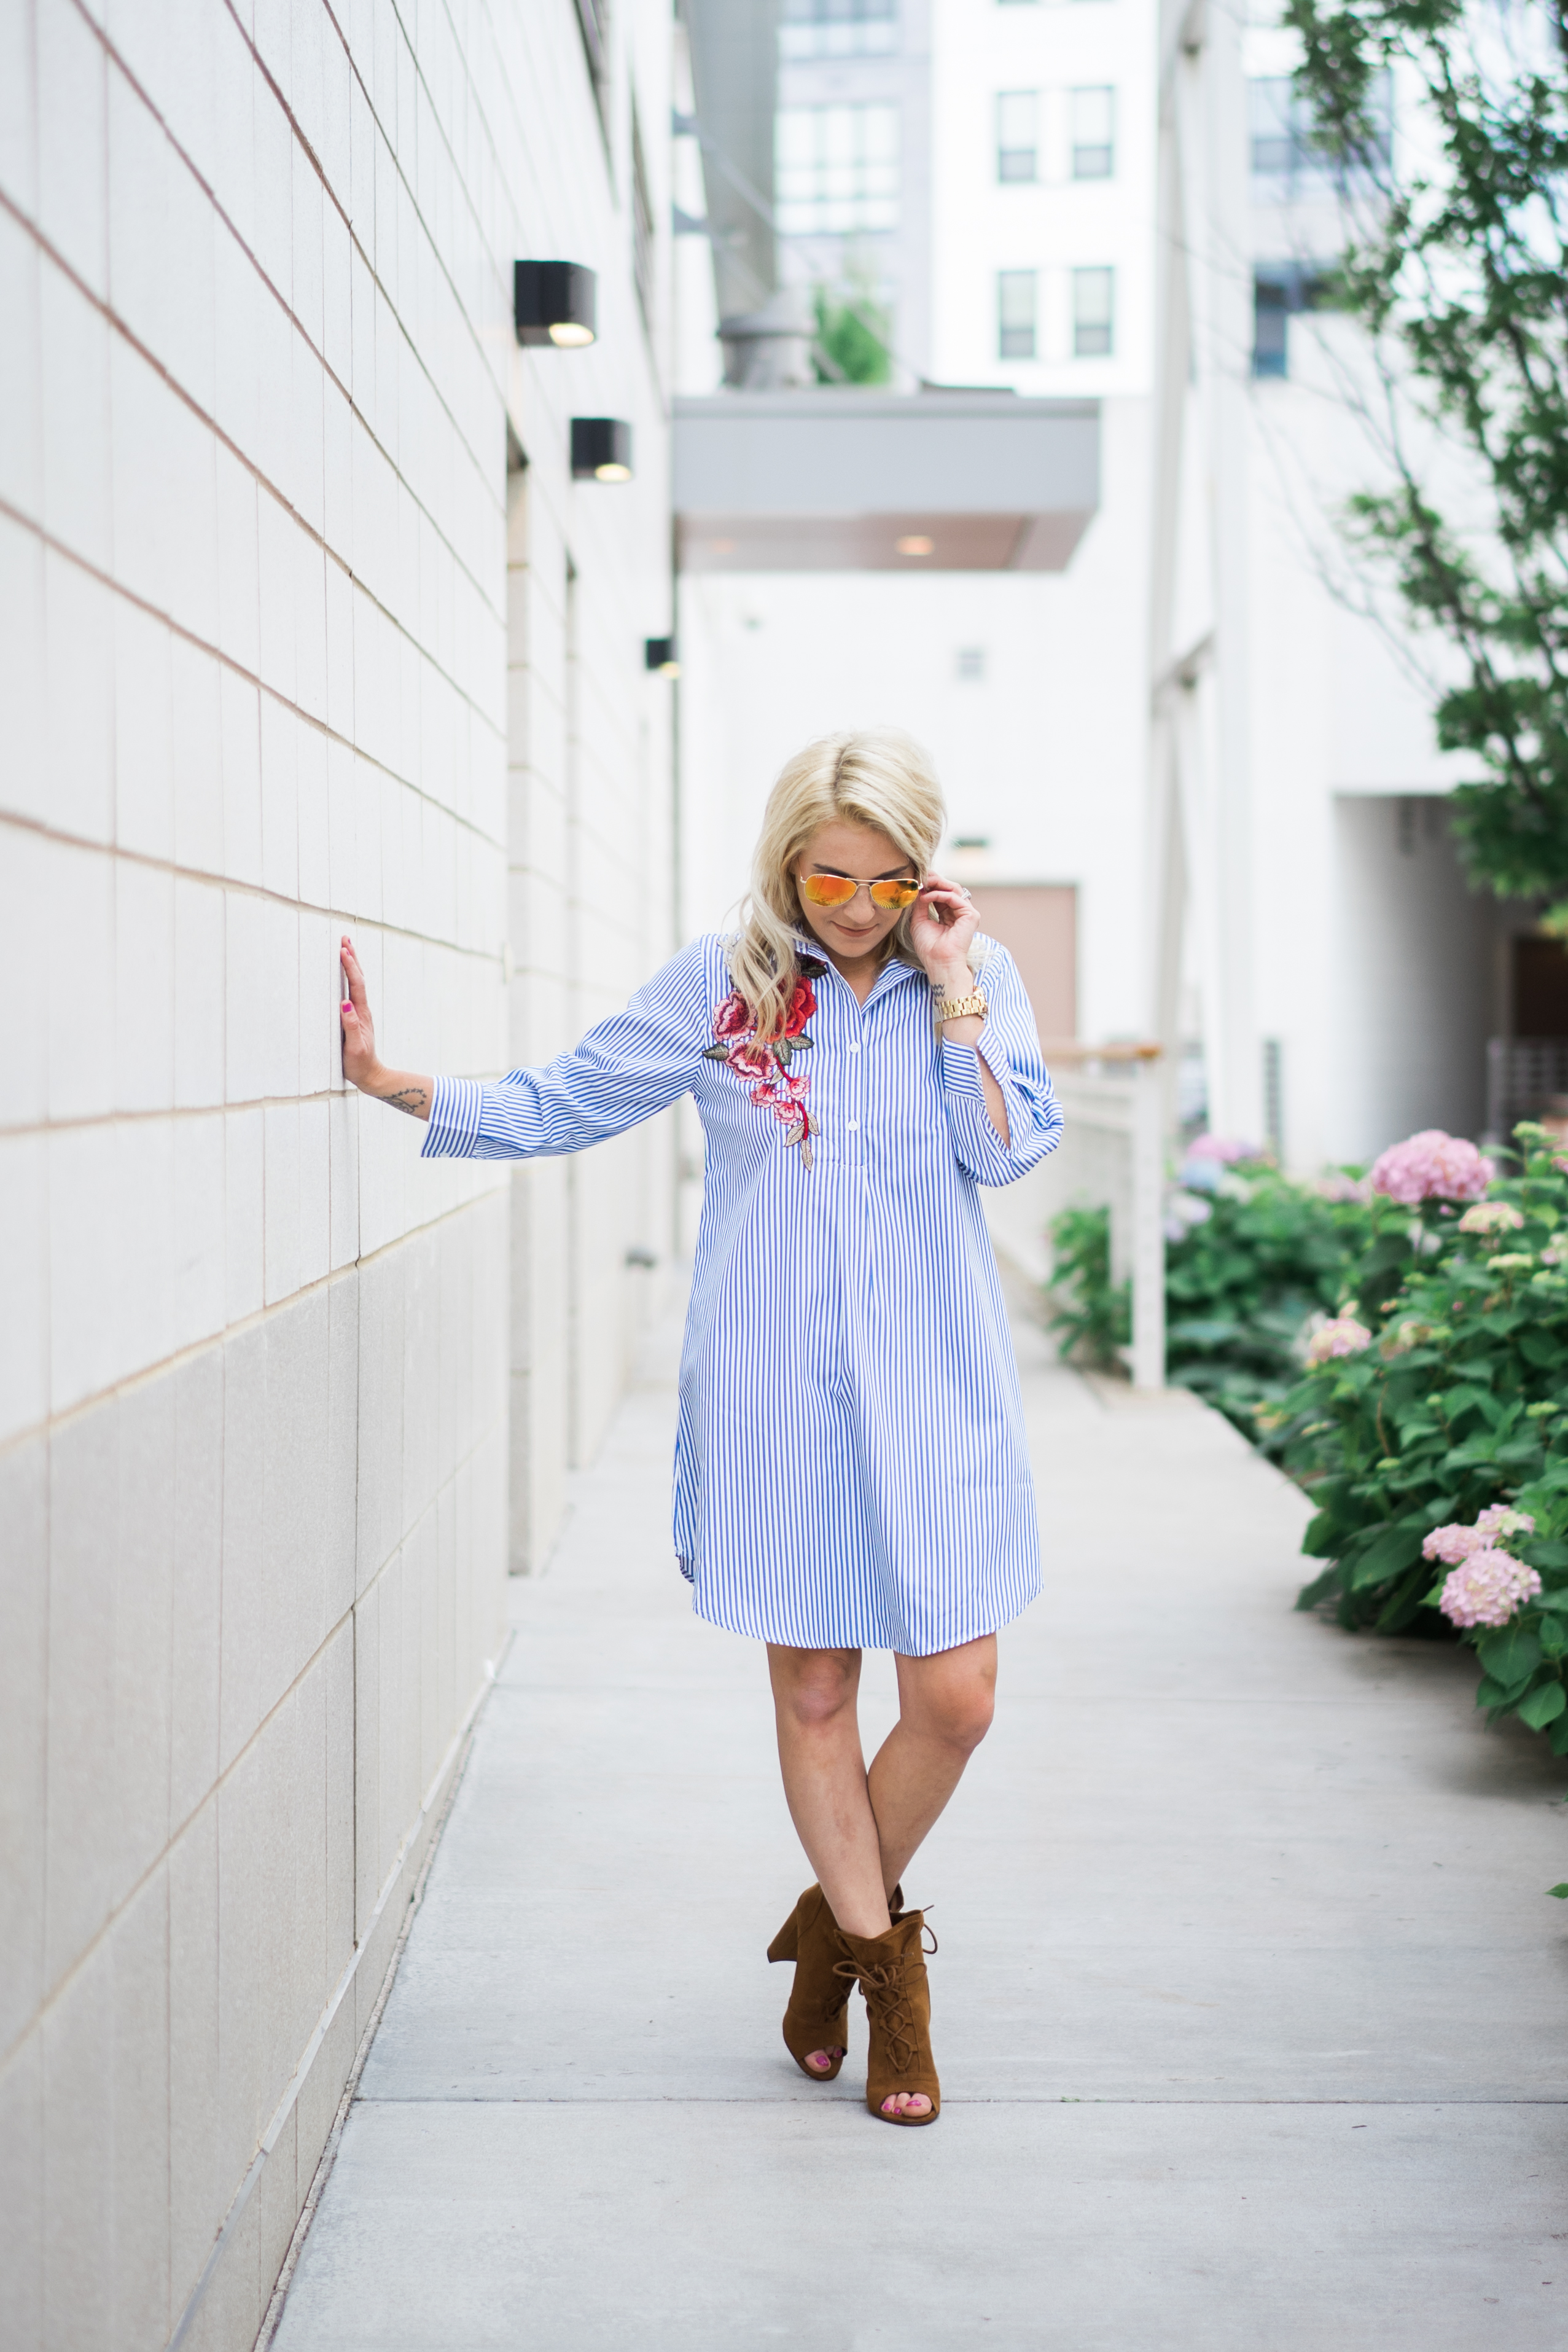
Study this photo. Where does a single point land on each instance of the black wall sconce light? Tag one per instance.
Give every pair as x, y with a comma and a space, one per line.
660, 654
600, 449
554, 302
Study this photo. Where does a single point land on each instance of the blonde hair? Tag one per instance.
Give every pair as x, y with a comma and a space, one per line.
877, 777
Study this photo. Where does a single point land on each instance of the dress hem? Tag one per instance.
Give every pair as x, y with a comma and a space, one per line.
1004, 1614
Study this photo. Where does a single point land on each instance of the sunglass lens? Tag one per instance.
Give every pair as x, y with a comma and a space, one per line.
827, 889
895, 894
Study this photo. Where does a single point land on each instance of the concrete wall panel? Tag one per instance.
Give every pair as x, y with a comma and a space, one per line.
271, 668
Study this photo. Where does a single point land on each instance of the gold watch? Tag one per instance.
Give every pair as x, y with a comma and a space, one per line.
957, 1008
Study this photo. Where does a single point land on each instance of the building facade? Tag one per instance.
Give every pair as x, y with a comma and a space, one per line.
1030, 690
308, 629
1313, 929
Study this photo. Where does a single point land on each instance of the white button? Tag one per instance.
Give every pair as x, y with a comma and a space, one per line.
854, 1127
854, 1049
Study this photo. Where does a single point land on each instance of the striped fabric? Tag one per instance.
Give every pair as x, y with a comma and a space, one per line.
850, 1470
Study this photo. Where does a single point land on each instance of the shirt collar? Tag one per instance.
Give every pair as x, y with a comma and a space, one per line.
893, 971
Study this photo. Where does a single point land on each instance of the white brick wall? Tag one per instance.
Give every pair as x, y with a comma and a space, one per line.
273, 664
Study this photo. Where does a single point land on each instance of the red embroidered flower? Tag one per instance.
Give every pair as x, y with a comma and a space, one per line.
802, 1005
772, 1085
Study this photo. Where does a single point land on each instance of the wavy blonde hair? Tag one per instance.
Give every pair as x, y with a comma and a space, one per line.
873, 776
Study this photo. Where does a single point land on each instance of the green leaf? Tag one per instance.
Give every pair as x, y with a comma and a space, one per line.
716, 1053
1509, 1655
1320, 1588
1561, 1892
1322, 1536
1396, 1547
1543, 1706
1468, 1398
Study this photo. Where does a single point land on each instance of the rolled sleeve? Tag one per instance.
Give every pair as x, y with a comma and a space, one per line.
1009, 1044
456, 1106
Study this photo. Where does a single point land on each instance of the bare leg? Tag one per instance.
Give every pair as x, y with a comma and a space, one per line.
860, 1834
814, 1694
944, 1708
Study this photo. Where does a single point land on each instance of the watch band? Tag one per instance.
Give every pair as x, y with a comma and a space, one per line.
957, 1008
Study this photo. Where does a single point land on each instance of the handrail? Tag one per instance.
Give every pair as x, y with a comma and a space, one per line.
1115, 1049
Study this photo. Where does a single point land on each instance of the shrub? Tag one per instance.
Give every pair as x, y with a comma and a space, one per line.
1094, 1315
1453, 1411
1248, 1262
1249, 1256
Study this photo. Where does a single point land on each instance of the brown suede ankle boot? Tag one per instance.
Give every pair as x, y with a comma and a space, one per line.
817, 2017
890, 1970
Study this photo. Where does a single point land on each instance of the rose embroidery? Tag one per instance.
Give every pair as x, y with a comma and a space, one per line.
764, 1066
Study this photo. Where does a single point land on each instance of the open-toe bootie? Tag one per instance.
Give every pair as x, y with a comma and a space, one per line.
817, 2017
890, 1970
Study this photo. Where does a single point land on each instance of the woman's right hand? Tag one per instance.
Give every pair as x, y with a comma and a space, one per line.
403, 1090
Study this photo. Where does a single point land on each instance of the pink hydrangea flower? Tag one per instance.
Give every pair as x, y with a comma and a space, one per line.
1499, 1520
1452, 1544
1225, 1149
1486, 1589
1343, 1337
1337, 1186
1491, 1217
1431, 1166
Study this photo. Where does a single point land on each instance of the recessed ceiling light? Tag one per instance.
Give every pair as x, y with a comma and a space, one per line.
915, 545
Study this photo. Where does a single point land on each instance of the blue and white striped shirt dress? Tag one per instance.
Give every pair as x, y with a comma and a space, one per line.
850, 1470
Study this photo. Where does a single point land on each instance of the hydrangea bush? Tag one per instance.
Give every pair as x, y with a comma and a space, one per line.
1431, 1431
1251, 1254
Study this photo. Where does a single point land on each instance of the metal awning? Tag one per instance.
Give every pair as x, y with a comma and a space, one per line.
833, 480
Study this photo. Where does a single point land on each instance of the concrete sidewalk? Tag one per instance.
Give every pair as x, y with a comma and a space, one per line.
1251, 2013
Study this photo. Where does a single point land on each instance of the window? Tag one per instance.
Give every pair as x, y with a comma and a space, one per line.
1093, 134
837, 169
837, 28
1015, 314
1280, 124
1018, 134
1278, 289
971, 666
1094, 313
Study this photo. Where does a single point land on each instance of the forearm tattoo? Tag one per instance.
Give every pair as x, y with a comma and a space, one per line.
412, 1099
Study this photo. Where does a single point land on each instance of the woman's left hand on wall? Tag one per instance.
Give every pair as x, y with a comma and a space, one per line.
403, 1090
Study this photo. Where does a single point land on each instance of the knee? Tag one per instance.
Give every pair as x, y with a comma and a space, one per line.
961, 1717
816, 1692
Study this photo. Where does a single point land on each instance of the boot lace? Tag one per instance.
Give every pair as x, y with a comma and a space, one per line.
885, 1988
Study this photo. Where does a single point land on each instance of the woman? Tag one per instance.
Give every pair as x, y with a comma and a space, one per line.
849, 1463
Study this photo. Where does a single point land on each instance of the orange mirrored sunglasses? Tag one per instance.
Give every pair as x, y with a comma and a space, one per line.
838, 890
